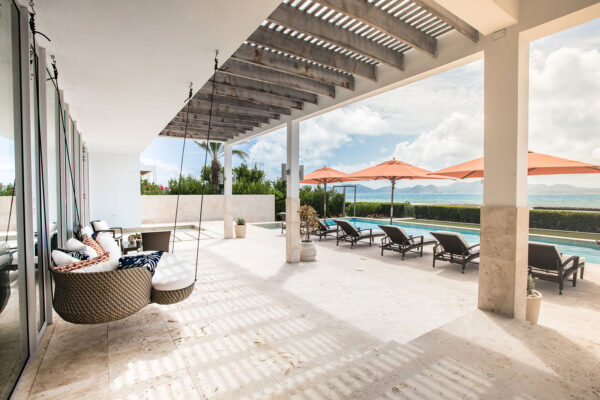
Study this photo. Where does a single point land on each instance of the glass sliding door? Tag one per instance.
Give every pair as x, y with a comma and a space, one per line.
13, 302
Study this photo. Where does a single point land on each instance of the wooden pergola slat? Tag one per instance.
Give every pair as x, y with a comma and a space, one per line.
240, 93
295, 66
202, 96
213, 123
448, 17
376, 17
192, 116
304, 49
237, 67
231, 109
241, 115
303, 22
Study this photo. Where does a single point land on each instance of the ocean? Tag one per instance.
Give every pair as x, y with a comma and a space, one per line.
535, 200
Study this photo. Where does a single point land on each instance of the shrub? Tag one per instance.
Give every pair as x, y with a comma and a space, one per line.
468, 214
7, 190
579, 221
313, 196
149, 188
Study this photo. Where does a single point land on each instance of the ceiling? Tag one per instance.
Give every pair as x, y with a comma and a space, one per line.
125, 66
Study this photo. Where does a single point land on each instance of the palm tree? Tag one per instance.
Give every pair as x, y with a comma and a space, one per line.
216, 151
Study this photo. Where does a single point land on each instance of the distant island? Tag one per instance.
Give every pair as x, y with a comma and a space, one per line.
474, 188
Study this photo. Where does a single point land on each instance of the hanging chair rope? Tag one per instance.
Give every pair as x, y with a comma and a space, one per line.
187, 112
216, 68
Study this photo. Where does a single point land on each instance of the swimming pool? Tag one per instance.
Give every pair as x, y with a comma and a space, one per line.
590, 251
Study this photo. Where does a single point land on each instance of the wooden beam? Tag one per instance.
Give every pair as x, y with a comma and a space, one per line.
201, 96
193, 128
240, 93
192, 132
265, 87
213, 123
237, 115
215, 119
304, 49
197, 134
292, 65
237, 67
303, 22
197, 105
448, 17
201, 137
367, 13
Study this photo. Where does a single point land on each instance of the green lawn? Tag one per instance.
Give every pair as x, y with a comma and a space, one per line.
572, 235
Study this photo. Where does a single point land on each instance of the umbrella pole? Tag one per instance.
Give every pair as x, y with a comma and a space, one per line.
325, 201
392, 203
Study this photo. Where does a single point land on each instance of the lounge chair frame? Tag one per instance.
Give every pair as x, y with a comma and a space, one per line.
351, 234
396, 240
462, 257
325, 230
557, 273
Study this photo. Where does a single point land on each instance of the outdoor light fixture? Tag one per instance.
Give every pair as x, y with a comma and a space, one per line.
285, 172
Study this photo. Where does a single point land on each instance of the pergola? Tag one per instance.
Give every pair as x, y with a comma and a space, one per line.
310, 57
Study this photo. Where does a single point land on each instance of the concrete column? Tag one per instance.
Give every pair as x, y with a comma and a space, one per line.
292, 202
228, 198
505, 216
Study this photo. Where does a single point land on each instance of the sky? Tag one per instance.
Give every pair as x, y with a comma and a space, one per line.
438, 122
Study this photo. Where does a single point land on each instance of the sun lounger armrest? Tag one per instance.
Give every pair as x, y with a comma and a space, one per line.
574, 259
412, 238
473, 246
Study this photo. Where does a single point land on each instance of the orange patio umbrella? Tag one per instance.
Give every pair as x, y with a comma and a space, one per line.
324, 176
537, 164
393, 171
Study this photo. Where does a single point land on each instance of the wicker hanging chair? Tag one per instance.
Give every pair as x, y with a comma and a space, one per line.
99, 297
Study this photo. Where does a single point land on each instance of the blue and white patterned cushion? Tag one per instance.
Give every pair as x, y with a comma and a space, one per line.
148, 261
78, 254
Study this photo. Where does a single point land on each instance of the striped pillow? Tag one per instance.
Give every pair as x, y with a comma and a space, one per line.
82, 264
88, 241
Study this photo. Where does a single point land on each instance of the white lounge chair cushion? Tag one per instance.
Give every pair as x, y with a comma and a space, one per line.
173, 274
86, 231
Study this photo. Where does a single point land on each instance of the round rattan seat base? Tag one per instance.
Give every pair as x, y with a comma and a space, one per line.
171, 296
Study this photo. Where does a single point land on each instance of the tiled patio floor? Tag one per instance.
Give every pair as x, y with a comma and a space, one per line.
353, 325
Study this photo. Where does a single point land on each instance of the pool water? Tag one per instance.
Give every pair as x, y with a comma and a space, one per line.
590, 252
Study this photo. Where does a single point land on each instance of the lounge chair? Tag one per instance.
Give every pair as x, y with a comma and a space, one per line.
282, 218
547, 263
398, 240
156, 241
323, 230
352, 235
452, 247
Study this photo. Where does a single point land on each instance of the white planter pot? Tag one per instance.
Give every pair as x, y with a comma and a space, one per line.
308, 251
240, 231
533, 305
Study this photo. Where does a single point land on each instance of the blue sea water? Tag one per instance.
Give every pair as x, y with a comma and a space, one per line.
591, 251
535, 200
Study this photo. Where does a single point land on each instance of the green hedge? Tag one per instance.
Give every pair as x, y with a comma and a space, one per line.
447, 213
577, 221
366, 209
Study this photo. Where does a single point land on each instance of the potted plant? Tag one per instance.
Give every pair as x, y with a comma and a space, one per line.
240, 228
534, 302
309, 222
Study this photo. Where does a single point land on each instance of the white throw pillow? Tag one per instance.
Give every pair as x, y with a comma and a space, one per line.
100, 225
109, 245
61, 258
74, 245
89, 251
86, 231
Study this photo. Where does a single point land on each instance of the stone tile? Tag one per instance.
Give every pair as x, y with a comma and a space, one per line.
133, 366
173, 385
93, 388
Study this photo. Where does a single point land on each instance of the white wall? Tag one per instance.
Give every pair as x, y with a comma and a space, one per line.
251, 207
115, 189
